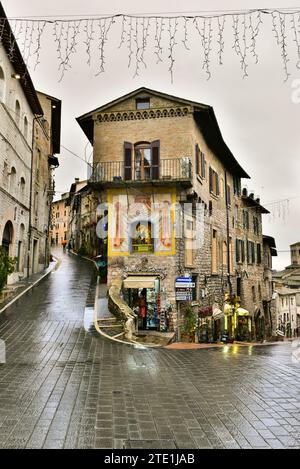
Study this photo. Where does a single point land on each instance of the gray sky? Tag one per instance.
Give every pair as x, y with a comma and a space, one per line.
257, 116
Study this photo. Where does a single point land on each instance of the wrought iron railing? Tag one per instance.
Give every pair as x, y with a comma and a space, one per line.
169, 169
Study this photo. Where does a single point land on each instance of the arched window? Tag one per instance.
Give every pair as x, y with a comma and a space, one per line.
2, 84
12, 180
17, 112
22, 189
25, 127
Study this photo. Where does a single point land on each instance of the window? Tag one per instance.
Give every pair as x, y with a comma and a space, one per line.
230, 255
259, 292
17, 112
12, 180
228, 195
253, 294
258, 253
292, 301
188, 235
250, 252
2, 85
255, 225
200, 162
214, 253
225, 254
240, 250
237, 185
22, 189
142, 103
144, 164
213, 182
25, 127
245, 219
282, 302
222, 187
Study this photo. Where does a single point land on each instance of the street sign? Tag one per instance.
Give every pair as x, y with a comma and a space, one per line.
185, 285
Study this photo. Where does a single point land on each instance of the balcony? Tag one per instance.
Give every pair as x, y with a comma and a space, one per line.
168, 172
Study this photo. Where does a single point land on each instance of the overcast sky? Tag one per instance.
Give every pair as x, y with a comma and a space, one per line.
258, 118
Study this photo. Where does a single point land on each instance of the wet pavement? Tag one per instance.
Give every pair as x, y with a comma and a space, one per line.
64, 386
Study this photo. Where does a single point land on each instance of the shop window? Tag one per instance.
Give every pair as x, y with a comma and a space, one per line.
142, 240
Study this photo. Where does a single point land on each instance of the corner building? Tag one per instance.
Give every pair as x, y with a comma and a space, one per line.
163, 169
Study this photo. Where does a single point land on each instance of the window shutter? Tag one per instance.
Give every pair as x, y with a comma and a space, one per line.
202, 165
210, 180
197, 158
217, 184
127, 161
248, 253
243, 250
155, 158
237, 254
228, 195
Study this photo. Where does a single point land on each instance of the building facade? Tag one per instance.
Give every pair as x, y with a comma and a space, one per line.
170, 193
26, 159
46, 145
288, 311
59, 221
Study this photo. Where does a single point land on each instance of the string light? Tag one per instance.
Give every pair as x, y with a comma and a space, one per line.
136, 30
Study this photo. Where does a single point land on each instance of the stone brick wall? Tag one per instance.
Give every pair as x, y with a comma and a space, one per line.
15, 152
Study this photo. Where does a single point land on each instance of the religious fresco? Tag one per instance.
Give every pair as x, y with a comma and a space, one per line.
141, 222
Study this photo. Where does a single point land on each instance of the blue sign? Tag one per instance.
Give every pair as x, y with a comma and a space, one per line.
183, 279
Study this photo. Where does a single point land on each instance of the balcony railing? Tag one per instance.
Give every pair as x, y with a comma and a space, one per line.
169, 169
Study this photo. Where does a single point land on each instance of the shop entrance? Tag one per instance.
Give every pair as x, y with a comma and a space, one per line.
142, 294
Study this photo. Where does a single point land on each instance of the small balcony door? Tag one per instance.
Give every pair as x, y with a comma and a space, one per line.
142, 163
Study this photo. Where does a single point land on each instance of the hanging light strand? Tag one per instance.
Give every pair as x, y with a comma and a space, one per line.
166, 32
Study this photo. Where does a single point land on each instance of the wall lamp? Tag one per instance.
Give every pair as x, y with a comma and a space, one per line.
17, 76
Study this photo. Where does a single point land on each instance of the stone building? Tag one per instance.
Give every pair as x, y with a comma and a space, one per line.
46, 145
170, 190
59, 220
27, 150
19, 105
82, 219
288, 311
269, 251
290, 276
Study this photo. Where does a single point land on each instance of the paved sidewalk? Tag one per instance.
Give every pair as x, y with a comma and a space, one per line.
17, 290
194, 346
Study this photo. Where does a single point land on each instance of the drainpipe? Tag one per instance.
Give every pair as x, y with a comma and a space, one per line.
228, 236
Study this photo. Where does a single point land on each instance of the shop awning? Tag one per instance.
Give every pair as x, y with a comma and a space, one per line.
217, 313
242, 312
139, 282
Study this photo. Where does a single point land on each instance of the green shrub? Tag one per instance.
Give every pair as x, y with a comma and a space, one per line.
7, 267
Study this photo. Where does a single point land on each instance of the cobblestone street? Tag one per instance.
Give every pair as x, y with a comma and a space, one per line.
65, 387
